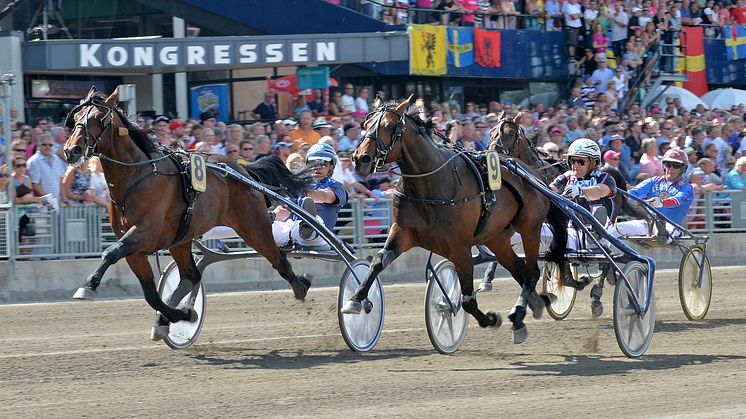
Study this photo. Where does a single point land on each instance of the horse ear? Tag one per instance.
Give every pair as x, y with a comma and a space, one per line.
113, 98
402, 106
91, 92
377, 102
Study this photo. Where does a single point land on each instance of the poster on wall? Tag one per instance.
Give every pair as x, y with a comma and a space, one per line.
211, 98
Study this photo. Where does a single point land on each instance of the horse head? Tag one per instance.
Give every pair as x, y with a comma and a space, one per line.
505, 137
384, 128
92, 123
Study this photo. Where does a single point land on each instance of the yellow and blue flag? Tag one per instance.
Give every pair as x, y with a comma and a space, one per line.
460, 46
735, 42
427, 50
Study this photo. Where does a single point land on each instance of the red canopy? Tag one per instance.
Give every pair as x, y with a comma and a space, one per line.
288, 84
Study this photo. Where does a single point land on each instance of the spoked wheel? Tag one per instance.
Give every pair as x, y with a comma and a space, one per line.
182, 334
695, 300
633, 332
560, 307
446, 323
360, 331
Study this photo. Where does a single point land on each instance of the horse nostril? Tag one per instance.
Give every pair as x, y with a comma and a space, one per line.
364, 159
77, 150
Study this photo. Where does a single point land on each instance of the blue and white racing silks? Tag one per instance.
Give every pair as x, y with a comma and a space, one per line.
681, 191
330, 212
594, 178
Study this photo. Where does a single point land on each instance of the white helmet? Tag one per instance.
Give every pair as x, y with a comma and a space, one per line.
585, 147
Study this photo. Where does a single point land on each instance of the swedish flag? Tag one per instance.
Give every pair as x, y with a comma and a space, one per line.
735, 42
460, 46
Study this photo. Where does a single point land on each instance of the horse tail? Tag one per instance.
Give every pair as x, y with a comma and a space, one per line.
271, 170
557, 219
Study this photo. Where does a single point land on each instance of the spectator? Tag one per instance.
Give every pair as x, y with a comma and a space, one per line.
5, 189
361, 103
618, 21
245, 152
46, 170
573, 25
707, 166
304, 132
555, 19
650, 164
59, 136
99, 189
612, 160
300, 106
468, 7
736, 178
281, 150
265, 110
316, 104
207, 119
76, 185
22, 184
349, 139
262, 147
739, 13
322, 127
335, 105
348, 102
231, 151
601, 76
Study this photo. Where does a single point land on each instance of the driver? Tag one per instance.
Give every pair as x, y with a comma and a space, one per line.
323, 201
670, 194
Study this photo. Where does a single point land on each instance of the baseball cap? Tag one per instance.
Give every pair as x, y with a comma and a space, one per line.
289, 122
689, 150
280, 146
176, 124
616, 137
161, 118
321, 123
204, 116
611, 154
636, 9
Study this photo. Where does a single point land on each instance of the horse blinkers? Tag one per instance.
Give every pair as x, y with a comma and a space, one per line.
382, 149
91, 142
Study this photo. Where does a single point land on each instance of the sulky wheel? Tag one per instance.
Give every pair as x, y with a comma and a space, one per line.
633, 332
695, 297
561, 306
182, 334
360, 331
446, 323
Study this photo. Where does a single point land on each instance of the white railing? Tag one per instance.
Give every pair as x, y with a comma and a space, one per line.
84, 230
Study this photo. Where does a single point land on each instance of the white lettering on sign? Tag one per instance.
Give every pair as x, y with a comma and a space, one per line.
195, 55
221, 54
142, 56
248, 54
117, 56
169, 55
326, 51
299, 52
273, 53
204, 53
88, 55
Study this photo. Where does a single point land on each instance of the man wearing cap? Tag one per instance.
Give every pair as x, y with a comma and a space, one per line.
321, 126
304, 130
601, 76
611, 166
616, 143
692, 159
162, 131
282, 150
349, 139
670, 194
207, 119
265, 110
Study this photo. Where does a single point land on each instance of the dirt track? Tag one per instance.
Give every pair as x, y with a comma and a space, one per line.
263, 355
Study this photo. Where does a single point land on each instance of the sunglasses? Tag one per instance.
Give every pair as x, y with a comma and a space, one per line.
581, 162
3, 175
672, 165
247, 149
321, 164
19, 165
46, 145
20, 150
232, 151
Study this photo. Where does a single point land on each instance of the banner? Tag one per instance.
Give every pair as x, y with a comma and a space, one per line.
312, 77
695, 60
289, 84
735, 42
427, 50
487, 44
210, 98
460, 46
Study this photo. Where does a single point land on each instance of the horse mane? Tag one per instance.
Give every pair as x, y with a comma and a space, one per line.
271, 170
139, 136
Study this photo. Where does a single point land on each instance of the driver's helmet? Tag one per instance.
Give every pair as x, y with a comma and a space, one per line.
676, 155
323, 152
585, 147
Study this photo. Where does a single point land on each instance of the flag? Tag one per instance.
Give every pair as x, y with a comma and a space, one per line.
695, 60
427, 50
735, 42
460, 46
487, 44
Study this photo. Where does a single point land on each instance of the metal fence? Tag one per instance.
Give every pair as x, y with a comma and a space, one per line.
84, 231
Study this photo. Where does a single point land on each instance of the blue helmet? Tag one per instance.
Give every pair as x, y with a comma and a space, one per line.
323, 152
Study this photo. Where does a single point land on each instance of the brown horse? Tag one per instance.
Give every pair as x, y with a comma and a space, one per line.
438, 207
149, 207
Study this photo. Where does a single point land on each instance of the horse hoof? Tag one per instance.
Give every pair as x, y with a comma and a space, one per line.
597, 309
537, 304
159, 332
485, 287
548, 298
495, 320
300, 287
193, 315
520, 335
84, 294
367, 306
352, 307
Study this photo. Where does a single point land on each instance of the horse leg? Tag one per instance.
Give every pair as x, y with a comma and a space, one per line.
141, 267
597, 291
121, 249
397, 242
260, 238
465, 270
190, 278
518, 269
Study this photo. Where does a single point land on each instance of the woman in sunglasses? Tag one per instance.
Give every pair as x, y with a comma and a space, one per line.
670, 194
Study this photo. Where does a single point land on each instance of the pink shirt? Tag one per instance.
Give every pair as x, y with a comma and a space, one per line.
469, 6
652, 166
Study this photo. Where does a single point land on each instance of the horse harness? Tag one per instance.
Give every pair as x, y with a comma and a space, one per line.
182, 164
475, 161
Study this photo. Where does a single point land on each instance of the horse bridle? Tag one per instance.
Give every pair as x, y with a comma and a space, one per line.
499, 142
91, 142
383, 149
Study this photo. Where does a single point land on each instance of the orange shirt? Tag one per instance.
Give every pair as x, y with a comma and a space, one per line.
311, 137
